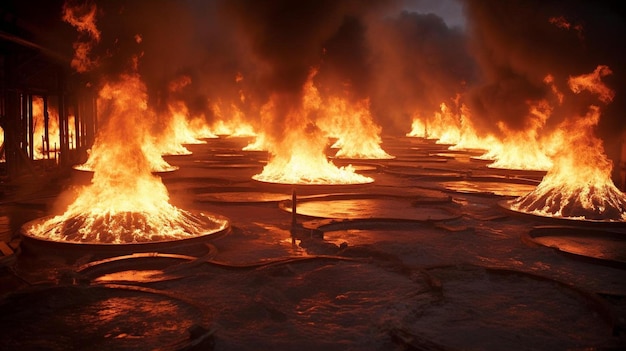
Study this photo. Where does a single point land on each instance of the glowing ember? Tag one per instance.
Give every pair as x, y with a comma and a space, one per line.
579, 185
124, 203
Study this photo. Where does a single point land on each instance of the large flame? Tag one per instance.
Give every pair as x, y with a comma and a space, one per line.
299, 158
523, 149
230, 121
130, 139
125, 202
352, 124
579, 184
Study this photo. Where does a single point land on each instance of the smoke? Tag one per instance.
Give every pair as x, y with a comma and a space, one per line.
400, 55
418, 63
516, 44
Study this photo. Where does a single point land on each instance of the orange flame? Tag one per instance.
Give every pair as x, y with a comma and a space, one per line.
299, 158
352, 125
124, 203
127, 137
83, 18
579, 184
231, 121
39, 147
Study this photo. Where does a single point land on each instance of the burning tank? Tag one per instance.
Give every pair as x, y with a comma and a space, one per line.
125, 203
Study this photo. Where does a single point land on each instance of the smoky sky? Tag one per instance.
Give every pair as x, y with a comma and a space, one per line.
515, 46
398, 54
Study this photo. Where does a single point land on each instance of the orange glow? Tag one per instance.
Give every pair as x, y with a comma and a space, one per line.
54, 137
125, 202
299, 157
230, 121
352, 125
523, 149
178, 132
83, 18
258, 144
579, 184
129, 140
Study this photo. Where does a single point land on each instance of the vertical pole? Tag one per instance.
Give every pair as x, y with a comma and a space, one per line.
63, 131
46, 131
294, 221
622, 170
30, 129
77, 125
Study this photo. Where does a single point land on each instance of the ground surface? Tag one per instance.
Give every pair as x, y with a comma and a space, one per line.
424, 258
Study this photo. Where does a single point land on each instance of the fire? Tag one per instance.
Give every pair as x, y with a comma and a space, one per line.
83, 18
579, 184
130, 139
418, 129
523, 149
125, 202
299, 158
40, 150
178, 132
452, 126
352, 125
259, 144
231, 121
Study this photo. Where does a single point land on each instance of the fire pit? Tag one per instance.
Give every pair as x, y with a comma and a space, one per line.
123, 232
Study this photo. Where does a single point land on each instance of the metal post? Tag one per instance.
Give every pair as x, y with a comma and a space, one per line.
294, 221
46, 125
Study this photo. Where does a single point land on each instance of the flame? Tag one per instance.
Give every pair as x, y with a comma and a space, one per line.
418, 128
124, 203
579, 184
83, 18
259, 144
130, 138
200, 128
523, 149
299, 157
352, 125
231, 121
178, 132
39, 146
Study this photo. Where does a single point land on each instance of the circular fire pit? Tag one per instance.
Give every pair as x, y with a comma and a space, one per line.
100, 239
508, 206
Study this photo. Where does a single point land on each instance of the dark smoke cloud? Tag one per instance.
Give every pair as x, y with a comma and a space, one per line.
403, 58
419, 62
516, 44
